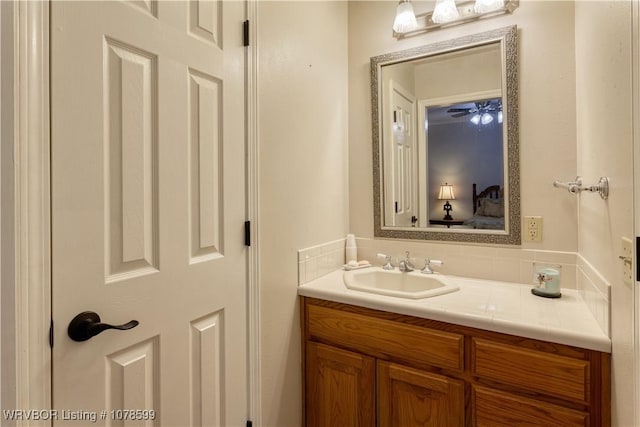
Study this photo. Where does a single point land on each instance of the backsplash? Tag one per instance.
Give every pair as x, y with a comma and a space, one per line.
316, 261
482, 262
596, 293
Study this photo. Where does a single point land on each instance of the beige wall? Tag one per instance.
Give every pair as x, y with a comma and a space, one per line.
604, 146
302, 100
447, 76
547, 106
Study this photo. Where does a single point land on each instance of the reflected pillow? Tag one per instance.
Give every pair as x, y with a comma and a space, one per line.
491, 207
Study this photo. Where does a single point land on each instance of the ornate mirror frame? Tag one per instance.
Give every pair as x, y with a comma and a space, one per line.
511, 235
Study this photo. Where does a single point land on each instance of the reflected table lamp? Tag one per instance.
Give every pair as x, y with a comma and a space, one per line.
446, 193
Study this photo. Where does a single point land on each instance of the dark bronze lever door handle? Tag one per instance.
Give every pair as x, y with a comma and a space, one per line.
87, 324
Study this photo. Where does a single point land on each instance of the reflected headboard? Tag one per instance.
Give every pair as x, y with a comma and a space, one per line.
491, 192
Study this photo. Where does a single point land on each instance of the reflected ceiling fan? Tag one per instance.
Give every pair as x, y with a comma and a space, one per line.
481, 110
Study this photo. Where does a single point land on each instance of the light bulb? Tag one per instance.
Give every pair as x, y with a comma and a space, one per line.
405, 18
445, 11
475, 119
486, 119
499, 116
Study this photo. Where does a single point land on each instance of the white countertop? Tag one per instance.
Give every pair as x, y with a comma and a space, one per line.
508, 308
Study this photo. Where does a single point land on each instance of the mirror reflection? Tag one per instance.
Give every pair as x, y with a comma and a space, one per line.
465, 167
445, 141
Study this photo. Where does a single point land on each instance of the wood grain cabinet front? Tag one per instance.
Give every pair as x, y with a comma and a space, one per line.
493, 408
366, 367
412, 398
340, 387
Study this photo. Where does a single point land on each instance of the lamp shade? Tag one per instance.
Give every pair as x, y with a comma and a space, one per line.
486, 119
446, 192
445, 11
486, 6
405, 18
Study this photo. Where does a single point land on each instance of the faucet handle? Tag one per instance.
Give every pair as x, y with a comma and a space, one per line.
387, 265
428, 263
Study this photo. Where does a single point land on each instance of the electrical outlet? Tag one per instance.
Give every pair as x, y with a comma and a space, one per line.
627, 260
533, 228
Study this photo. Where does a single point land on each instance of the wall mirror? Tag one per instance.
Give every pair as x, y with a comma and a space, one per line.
445, 140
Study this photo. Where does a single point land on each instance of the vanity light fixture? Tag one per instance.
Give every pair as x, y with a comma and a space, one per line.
405, 20
447, 13
446, 193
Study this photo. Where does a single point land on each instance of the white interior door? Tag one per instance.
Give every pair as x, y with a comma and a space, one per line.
401, 169
148, 206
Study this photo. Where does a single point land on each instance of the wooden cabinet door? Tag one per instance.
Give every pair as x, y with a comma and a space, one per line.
340, 387
408, 397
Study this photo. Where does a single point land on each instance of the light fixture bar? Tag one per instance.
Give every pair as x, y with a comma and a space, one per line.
467, 14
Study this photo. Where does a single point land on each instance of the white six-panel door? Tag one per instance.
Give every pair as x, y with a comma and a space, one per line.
400, 170
148, 206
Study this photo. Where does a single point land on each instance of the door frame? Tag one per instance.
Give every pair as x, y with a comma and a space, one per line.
635, 97
25, 295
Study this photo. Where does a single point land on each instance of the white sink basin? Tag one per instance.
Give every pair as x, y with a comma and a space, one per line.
414, 285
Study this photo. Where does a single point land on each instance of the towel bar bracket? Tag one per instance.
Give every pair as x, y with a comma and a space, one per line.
575, 187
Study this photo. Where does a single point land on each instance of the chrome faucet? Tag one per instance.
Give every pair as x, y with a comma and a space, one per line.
405, 265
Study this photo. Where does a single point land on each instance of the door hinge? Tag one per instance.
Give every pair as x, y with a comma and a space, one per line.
51, 334
245, 33
637, 264
396, 207
247, 233
249, 423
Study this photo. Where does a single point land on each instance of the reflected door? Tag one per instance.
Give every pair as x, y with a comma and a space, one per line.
148, 206
400, 171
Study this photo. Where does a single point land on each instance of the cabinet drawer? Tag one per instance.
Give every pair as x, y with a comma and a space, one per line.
497, 409
531, 370
386, 338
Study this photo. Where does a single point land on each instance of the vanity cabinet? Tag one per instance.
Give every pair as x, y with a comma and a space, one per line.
365, 367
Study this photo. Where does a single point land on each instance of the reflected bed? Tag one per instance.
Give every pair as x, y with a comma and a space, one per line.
488, 209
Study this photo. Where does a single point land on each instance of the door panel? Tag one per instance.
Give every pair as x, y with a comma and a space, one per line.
132, 376
131, 161
148, 207
205, 108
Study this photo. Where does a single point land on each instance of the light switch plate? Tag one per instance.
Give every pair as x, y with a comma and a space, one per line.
627, 260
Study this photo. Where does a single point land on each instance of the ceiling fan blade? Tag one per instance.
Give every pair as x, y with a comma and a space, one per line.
457, 110
460, 114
